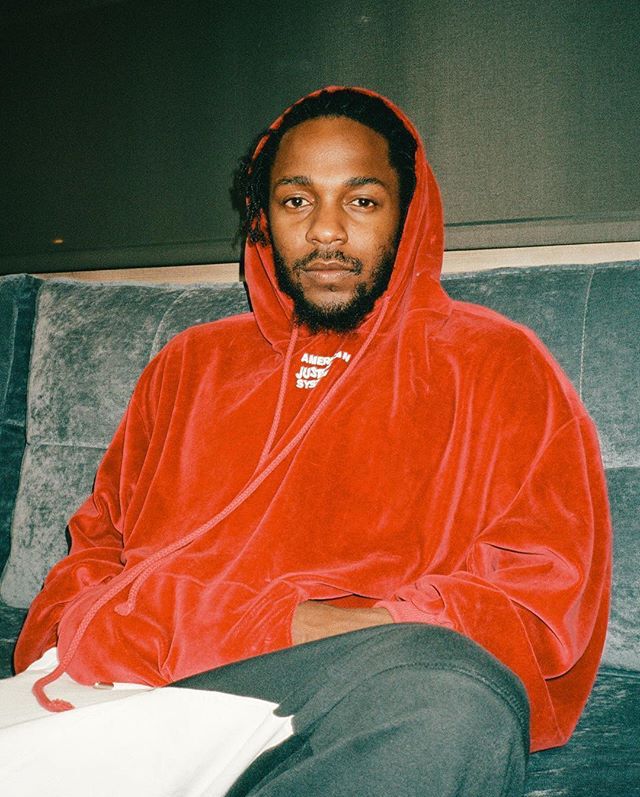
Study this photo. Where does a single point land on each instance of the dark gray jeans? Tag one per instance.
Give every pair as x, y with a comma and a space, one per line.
405, 710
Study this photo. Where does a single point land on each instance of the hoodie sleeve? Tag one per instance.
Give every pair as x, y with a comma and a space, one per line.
533, 585
96, 552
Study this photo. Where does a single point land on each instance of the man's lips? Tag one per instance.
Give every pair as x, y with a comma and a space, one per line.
328, 273
327, 265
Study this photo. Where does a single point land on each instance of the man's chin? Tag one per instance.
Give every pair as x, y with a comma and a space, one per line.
332, 304
341, 317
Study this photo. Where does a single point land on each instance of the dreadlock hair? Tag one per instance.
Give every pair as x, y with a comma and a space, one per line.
250, 191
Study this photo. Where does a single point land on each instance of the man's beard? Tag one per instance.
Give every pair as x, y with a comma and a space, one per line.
339, 317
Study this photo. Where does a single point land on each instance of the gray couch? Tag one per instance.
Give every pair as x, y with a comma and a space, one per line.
70, 353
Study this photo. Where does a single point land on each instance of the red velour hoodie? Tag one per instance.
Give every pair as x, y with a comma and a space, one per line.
436, 462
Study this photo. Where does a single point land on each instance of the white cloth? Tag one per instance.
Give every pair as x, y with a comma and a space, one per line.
130, 740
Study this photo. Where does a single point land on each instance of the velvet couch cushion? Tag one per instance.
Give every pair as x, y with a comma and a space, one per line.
602, 758
11, 620
17, 307
611, 374
623, 634
91, 342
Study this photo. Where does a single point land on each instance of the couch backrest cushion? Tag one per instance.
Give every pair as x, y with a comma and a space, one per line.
91, 342
17, 306
611, 391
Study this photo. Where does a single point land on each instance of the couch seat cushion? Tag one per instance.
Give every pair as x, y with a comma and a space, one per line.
602, 759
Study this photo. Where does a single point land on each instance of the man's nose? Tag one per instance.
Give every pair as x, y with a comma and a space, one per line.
326, 226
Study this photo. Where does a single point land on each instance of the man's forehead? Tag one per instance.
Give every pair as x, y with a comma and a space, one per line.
318, 129
333, 144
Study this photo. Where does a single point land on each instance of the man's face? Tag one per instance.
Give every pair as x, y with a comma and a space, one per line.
334, 213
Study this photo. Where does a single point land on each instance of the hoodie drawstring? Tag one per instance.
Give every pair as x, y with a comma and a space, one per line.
280, 403
141, 572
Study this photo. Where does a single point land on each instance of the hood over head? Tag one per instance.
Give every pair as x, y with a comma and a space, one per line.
415, 282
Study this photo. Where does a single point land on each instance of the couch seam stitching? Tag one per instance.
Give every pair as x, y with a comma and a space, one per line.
12, 358
166, 312
584, 332
35, 442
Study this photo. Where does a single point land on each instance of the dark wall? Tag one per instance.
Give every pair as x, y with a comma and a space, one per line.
122, 121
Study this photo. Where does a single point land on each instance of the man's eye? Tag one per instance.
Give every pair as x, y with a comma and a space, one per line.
364, 202
295, 202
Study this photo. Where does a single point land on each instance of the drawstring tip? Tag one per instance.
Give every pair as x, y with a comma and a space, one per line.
123, 609
55, 705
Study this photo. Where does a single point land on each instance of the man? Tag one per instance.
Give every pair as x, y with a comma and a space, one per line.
407, 483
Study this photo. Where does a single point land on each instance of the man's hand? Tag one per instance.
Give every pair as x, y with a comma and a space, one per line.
316, 620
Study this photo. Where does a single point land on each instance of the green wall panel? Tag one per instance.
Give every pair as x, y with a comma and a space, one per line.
123, 121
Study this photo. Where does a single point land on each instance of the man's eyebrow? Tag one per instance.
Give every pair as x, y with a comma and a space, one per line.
298, 179
352, 182
356, 181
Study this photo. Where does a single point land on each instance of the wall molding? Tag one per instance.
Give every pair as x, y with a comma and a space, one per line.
455, 261
524, 256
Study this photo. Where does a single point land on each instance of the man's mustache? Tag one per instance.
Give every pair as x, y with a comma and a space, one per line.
354, 263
